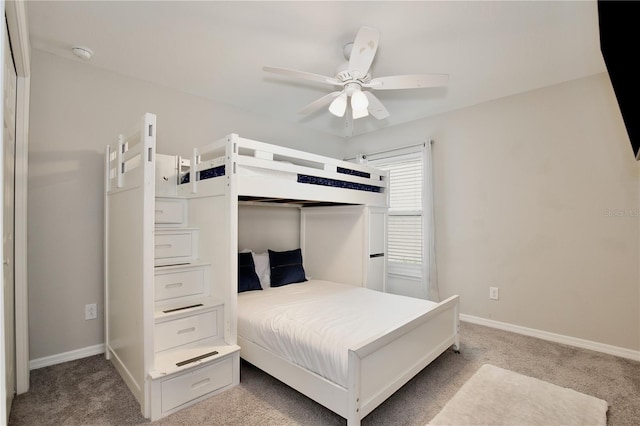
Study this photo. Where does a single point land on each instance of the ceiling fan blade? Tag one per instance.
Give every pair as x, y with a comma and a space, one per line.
363, 50
319, 103
304, 75
375, 106
412, 81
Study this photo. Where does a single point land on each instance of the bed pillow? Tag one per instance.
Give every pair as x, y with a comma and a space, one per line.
261, 260
247, 278
286, 267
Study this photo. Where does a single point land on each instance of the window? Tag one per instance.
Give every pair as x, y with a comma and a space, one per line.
405, 224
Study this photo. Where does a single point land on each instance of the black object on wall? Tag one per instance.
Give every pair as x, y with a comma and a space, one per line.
619, 40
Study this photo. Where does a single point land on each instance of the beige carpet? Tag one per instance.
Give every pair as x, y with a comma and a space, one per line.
90, 392
494, 396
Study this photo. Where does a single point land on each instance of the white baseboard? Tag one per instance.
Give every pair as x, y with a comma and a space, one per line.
545, 335
46, 361
558, 338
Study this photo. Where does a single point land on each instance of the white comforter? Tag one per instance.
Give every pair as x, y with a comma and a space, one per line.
313, 324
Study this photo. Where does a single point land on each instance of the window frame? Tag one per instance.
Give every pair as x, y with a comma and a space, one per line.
385, 161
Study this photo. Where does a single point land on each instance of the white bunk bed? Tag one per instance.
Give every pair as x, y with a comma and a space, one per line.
333, 194
205, 193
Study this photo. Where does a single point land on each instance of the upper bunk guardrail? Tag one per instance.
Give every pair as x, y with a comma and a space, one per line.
125, 157
260, 155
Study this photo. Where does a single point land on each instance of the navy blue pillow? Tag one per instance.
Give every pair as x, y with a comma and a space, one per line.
286, 267
247, 277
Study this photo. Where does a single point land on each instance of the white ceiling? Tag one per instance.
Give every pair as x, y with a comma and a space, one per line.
217, 49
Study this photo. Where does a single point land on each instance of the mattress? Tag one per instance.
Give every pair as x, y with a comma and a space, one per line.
313, 324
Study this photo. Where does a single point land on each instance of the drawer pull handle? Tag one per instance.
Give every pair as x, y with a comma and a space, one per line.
196, 358
159, 211
200, 383
182, 308
173, 285
163, 246
186, 330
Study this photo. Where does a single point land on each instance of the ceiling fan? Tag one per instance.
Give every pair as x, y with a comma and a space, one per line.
354, 77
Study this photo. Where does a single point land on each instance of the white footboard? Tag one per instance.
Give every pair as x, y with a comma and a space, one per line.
380, 366
377, 367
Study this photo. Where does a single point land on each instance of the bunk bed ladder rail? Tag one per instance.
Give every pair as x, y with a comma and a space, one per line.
129, 153
113, 168
199, 164
130, 172
195, 161
120, 168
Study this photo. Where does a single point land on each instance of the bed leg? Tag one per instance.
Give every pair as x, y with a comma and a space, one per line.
456, 341
456, 345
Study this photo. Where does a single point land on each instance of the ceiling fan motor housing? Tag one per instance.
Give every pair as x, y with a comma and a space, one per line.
345, 75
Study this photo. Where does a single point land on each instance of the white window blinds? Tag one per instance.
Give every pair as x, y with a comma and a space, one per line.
405, 223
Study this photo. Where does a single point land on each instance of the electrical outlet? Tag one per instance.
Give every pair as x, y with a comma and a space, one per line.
494, 293
90, 311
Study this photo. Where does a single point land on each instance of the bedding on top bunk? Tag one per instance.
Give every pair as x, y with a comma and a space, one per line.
314, 323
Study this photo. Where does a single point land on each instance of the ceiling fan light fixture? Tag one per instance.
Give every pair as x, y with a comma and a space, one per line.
359, 113
339, 105
359, 101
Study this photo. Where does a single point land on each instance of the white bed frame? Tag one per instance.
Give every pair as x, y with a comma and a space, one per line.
254, 172
376, 368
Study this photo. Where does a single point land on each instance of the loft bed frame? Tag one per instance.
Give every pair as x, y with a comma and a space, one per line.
231, 171
264, 172
269, 173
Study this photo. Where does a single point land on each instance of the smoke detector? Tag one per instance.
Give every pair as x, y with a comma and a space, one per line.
83, 53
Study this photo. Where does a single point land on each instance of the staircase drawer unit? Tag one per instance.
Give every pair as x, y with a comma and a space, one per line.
181, 331
174, 390
192, 385
175, 246
180, 283
170, 212
169, 301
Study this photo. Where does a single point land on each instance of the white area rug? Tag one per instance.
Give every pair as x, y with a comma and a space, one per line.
494, 396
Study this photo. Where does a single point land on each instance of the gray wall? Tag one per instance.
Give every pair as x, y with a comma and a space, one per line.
261, 228
76, 110
539, 195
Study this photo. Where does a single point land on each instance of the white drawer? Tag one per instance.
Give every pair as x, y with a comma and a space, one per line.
177, 244
185, 330
192, 385
170, 211
179, 284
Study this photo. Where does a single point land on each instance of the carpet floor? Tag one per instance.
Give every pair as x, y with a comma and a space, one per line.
89, 391
498, 397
